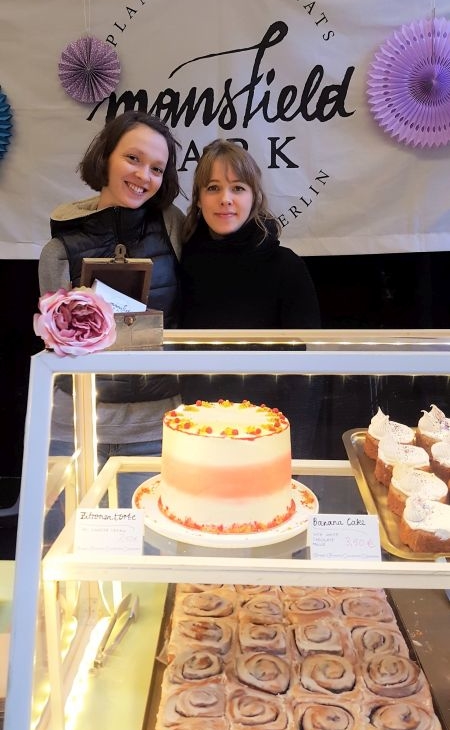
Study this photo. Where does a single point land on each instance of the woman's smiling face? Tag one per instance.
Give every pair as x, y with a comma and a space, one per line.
225, 201
135, 168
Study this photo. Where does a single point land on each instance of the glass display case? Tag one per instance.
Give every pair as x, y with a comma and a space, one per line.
329, 384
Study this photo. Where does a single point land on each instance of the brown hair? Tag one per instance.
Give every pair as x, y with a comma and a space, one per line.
245, 169
93, 168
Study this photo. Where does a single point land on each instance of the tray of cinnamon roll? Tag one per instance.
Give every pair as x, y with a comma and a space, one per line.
233, 657
403, 475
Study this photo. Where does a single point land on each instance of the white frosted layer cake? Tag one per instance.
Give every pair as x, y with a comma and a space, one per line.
226, 467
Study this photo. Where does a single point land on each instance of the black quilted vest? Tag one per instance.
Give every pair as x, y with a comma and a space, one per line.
144, 235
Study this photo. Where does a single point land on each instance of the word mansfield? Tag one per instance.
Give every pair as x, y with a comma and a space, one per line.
239, 106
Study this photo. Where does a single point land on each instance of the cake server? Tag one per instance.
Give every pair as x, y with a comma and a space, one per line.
123, 605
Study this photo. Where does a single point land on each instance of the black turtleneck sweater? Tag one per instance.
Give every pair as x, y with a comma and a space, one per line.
244, 280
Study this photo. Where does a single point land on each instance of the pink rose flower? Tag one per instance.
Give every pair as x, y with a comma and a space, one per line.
75, 322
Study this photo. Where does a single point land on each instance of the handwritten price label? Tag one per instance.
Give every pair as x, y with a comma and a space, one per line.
344, 537
118, 531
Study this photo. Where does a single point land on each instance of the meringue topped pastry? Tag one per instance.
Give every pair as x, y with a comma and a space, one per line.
425, 525
407, 481
433, 426
440, 458
391, 452
380, 426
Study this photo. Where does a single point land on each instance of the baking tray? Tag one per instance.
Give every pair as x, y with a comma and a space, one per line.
159, 666
374, 496
423, 617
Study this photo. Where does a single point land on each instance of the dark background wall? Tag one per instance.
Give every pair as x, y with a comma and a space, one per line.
381, 292
385, 291
20, 293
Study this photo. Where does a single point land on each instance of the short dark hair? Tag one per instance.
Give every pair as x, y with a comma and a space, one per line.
93, 168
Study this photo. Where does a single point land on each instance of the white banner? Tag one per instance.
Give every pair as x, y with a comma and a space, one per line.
287, 77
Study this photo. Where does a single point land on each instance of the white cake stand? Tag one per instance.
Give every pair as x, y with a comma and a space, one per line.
147, 494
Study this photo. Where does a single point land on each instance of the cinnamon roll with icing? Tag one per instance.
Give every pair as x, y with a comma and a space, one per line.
327, 715
367, 606
343, 592
262, 610
327, 674
195, 665
395, 676
197, 723
209, 634
404, 715
319, 636
206, 604
296, 591
251, 590
198, 587
248, 708
203, 701
314, 605
267, 672
377, 638
262, 637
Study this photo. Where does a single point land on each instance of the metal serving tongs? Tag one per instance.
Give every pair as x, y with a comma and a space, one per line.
104, 648
130, 618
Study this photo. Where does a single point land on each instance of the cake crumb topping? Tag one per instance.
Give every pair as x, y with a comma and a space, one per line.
226, 419
237, 528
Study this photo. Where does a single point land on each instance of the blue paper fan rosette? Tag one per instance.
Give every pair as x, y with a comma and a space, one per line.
89, 69
5, 124
409, 84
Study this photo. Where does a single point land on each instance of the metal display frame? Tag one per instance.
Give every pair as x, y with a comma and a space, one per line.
38, 578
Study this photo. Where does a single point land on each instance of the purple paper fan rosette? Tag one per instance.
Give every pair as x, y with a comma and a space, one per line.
409, 84
89, 69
